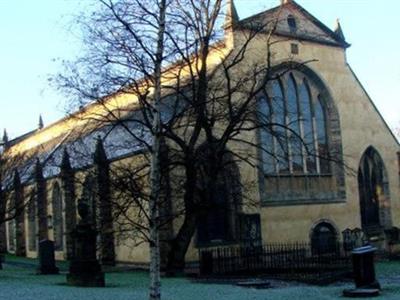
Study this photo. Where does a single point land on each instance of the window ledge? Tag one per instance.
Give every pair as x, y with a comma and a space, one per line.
287, 202
297, 175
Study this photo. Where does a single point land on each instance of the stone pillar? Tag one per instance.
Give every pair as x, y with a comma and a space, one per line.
68, 187
20, 249
103, 200
41, 200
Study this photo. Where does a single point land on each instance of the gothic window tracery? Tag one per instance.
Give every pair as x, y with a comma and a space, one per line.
300, 148
297, 142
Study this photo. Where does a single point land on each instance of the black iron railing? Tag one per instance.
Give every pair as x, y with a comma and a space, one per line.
297, 259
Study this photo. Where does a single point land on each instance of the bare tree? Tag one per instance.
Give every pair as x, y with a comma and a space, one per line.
203, 104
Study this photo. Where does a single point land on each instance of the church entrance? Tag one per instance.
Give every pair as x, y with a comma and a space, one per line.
374, 194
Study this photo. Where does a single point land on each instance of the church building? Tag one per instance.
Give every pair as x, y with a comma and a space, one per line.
331, 163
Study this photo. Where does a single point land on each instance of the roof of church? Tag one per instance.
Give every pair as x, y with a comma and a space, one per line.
308, 27
20, 138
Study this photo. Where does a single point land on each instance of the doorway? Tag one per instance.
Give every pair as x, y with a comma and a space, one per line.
374, 193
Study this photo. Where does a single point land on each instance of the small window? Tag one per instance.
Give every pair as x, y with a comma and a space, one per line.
292, 23
294, 48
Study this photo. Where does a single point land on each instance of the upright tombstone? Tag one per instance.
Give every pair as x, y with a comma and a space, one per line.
47, 262
84, 268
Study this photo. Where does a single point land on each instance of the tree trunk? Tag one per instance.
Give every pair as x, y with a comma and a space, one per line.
180, 244
155, 176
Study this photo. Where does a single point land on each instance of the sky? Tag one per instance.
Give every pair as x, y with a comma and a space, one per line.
36, 35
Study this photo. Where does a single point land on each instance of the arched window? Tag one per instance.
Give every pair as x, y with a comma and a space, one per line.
58, 221
298, 142
299, 124
373, 187
32, 229
324, 239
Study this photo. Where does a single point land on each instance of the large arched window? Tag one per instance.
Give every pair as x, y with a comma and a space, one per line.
58, 222
300, 142
297, 143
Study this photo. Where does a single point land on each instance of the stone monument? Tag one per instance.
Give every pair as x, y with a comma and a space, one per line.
84, 269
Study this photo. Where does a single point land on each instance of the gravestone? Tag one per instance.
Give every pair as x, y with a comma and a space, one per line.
47, 262
84, 268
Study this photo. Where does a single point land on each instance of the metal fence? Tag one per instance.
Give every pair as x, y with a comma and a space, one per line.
294, 260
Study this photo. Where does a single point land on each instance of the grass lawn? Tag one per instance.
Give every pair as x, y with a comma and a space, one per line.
18, 281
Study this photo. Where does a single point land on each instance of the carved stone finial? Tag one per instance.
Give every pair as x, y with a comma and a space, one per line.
40, 125
100, 156
16, 179
338, 30
65, 161
5, 136
231, 17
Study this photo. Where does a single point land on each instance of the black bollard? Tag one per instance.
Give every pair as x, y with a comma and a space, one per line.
364, 273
